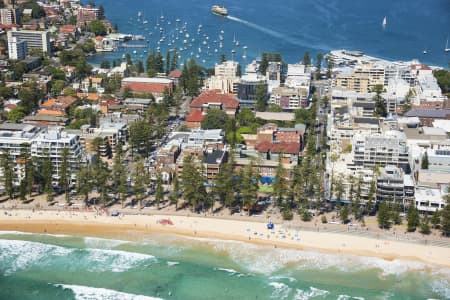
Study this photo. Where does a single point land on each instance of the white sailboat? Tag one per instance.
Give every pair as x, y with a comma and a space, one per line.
384, 22
447, 49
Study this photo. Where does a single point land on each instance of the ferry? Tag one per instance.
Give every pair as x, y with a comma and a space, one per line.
220, 11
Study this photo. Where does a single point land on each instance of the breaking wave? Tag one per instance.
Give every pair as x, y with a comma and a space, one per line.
18, 255
90, 293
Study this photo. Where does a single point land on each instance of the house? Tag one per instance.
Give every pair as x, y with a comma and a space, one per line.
273, 134
92, 83
104, 44
106, 106
213, 162
68, 30
175, 76
289, 152
93, 97
57, 106
138, 104
194, 119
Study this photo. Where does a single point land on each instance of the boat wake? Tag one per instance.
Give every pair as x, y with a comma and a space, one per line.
268, 31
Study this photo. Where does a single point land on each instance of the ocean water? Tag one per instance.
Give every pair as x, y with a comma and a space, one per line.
290, 27
38, 266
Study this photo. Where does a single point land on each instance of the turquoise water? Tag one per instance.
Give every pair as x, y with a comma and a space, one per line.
37, 266
290, 27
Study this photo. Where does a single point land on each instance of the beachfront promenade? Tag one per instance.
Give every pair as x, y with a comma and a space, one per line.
371, 232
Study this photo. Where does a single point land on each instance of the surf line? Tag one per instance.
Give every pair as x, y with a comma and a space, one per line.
265, 30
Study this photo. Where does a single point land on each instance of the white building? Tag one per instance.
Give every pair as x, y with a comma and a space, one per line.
388, 148
51, 143
298, 76
41, 143
394, 185
225, 78
17, 49
39, 40
430, 199
205, 137
9, 16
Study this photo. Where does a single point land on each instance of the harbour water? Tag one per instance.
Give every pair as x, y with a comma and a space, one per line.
44, 266
290, 27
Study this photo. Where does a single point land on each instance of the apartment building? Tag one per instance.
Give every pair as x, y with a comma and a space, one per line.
17, 49
86, 15
41, 144
9, 16
247, 87
15, 139
428, 200
362, 79
289, 98
51, 143
389, 148
393, 185
39, 40
298, 76
225, 78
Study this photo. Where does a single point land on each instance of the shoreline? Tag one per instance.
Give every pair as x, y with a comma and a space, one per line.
91, 223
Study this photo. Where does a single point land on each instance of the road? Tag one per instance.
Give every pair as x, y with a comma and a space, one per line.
322, 87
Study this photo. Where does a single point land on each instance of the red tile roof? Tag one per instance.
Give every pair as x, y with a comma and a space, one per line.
263, 146
288, 148
214, 96
195, 116
140, 87
175, 74
61, 103
67, 29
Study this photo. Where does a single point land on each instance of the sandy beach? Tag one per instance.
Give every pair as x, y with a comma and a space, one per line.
99, 224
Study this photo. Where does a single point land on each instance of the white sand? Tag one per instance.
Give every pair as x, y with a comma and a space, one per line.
254, 232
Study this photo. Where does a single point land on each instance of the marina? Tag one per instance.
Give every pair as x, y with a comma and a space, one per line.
339, 26
164, 34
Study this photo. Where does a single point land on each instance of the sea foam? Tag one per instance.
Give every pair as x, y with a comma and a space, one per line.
308, 294
90, 293
268, 260
172, 263
103, 260
19, 255
11, 232
281, 290
94, 242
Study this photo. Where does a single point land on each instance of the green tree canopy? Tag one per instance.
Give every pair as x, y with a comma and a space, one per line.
413, 218
215, 119
97, 27
261, 96
380, 106
383, 216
